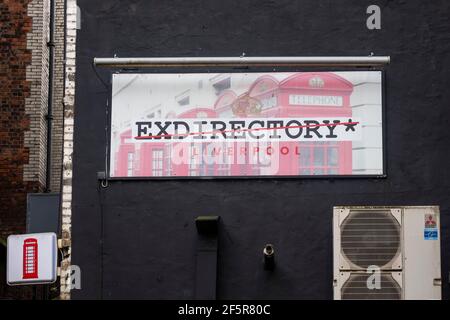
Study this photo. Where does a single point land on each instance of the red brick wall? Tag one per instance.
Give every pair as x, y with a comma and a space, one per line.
14, 58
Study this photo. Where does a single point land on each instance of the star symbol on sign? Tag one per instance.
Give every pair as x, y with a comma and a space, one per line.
350, 125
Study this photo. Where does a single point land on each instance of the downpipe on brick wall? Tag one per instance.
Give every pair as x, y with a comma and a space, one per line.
49, 116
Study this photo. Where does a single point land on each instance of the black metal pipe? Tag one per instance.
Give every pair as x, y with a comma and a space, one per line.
49, 116
269, 257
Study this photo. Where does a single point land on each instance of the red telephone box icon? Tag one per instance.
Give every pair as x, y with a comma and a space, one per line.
30, 259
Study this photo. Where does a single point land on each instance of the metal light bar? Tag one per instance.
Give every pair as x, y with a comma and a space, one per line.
240, 61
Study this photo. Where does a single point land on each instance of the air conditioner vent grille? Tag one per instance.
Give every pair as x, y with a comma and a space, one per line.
356, 288
370, 238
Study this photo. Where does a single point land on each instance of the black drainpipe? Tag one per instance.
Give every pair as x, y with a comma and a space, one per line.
49, 117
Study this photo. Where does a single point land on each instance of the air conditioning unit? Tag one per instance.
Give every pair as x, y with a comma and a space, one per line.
386, 253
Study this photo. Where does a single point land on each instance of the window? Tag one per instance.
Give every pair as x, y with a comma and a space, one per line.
222, 85
168, 160
332, 156
130, 162
319, 158
197, 166
208, 167
223, 167
157, 162
194, 161
184, 101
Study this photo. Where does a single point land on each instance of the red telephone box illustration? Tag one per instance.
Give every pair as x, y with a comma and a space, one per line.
126, 156
30, 259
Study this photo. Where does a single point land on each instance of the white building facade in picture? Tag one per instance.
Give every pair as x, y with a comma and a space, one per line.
366, 102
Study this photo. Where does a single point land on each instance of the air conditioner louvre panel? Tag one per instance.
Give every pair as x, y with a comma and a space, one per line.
356, 288
376, 241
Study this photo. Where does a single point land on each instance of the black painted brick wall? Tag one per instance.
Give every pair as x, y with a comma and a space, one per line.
148, 228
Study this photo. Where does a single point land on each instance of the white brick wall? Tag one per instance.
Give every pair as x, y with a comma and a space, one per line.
58, 92
36, 103
69, 101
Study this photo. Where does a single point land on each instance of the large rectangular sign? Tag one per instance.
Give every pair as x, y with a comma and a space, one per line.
247, 124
